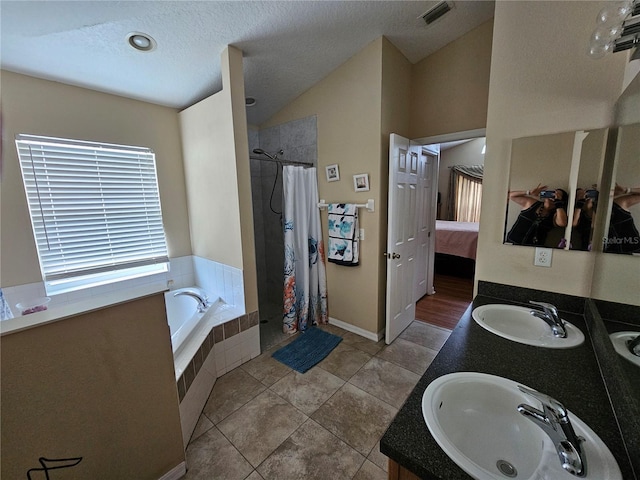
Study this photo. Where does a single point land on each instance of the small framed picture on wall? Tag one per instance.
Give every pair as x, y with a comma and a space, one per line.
361, 182
333, 173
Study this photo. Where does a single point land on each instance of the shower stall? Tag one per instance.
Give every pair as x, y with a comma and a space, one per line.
293, 142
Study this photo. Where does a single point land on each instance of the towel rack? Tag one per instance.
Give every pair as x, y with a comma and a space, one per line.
369, 205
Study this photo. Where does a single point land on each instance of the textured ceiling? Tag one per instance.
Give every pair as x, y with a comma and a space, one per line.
288, 45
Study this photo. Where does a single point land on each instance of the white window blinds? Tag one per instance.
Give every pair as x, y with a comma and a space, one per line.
94, 207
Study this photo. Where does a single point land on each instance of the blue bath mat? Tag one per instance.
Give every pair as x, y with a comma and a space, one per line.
308, 349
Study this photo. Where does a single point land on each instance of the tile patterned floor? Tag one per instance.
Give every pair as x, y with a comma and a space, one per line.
265, 421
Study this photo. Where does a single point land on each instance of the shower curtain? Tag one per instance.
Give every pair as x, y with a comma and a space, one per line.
305, 281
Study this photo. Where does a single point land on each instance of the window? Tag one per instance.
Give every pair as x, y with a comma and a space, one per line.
468, 199
465, 193
95, 211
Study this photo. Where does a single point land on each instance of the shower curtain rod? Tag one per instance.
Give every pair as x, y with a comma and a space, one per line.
292, 162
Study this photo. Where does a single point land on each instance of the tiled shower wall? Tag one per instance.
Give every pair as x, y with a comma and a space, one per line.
299, 140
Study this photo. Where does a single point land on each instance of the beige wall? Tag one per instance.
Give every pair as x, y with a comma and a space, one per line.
396, 107
541, 82
449, 88
99, 386
216, 165
348, 108
41, 107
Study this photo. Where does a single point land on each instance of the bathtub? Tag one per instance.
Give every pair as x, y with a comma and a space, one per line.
189, 327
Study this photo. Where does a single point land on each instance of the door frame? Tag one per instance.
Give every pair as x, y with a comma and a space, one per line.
430, 140
451, 137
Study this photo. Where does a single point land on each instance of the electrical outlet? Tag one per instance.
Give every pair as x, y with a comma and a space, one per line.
361, 234
543, 257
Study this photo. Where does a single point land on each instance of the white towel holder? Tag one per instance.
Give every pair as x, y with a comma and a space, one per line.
370, 205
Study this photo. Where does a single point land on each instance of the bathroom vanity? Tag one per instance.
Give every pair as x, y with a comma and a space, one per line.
583, 378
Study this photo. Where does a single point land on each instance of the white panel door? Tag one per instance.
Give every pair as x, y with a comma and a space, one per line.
401, 236
426, 215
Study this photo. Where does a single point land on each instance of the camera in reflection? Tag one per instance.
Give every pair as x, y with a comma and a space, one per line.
548, 194
591, 194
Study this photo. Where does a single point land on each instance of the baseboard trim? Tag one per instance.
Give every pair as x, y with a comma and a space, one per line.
357, 330
176, 472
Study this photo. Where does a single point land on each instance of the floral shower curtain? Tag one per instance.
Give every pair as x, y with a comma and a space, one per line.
305, 281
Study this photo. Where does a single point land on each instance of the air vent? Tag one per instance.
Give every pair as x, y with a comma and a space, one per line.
436, 12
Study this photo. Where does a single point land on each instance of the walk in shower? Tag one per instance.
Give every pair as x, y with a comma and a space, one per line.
298, 142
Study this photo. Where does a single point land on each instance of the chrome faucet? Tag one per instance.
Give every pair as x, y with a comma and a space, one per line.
634, 346
551, 317
201, 297
554, 421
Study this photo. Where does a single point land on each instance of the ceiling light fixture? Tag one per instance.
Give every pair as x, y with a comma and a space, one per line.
141, 41
618, 28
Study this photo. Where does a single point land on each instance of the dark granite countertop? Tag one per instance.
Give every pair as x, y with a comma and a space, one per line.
569, 375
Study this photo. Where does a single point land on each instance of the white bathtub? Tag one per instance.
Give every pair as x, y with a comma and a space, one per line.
189, 328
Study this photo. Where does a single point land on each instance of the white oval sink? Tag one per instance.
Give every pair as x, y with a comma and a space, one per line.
620, 340
474, 419
517, 324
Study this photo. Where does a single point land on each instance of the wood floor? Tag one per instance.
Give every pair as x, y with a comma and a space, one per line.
444, 308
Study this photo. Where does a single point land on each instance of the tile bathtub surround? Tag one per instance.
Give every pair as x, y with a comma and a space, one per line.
224, 338
217, 279
271, 422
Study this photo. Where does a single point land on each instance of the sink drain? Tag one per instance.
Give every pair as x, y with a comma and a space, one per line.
507, 469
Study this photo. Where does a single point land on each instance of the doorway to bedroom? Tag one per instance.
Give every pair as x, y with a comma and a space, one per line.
460, 172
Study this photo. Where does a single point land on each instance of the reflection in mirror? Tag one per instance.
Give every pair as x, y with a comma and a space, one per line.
622, 235
586, 196
538, 185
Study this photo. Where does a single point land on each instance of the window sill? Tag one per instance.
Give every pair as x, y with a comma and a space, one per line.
62, 312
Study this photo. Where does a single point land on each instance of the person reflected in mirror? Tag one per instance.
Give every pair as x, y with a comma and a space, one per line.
583, 211
623, 236
542, 210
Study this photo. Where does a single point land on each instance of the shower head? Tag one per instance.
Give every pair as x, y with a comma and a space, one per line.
272, 156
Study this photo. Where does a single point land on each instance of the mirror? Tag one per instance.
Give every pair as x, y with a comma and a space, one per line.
553, 189
624, 218
585, 204
625, 171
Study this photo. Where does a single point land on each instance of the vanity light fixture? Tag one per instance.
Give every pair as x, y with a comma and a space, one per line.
141, 41
618, 28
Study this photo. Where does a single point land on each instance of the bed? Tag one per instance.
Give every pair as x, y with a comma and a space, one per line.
459, 239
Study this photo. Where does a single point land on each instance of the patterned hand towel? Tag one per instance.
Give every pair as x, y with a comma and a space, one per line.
343, 234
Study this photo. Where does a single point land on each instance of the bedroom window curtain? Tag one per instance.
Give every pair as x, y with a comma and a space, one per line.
465, 193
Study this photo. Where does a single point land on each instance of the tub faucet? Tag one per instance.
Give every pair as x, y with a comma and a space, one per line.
551, 317
203, 301
554, 421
